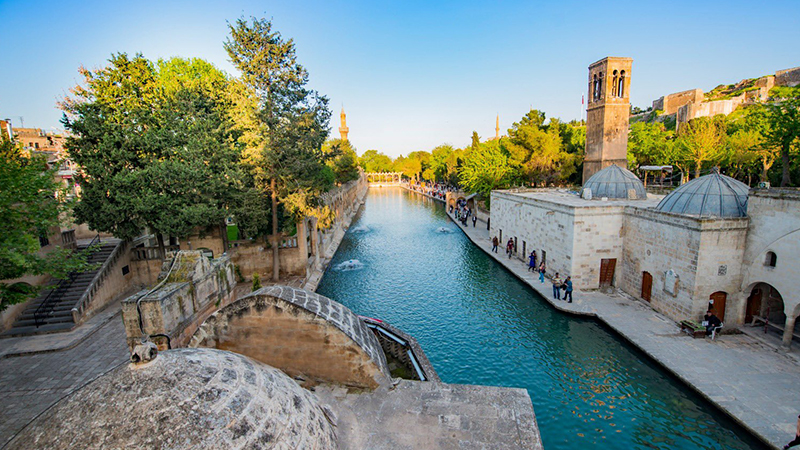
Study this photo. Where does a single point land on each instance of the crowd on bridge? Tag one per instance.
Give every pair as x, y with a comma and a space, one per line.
436, 190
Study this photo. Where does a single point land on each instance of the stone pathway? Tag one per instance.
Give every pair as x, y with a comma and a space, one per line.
746, 377
30, 384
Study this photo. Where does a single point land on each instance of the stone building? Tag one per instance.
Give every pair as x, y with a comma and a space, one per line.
343, 130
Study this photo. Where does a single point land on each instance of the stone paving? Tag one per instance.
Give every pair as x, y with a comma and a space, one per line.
746, 377
30, 384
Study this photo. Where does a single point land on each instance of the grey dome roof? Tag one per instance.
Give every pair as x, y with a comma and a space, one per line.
710, 195
615, 182
184, 399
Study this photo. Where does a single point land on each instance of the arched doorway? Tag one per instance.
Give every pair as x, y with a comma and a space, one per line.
647, 285
716, 303
765, 304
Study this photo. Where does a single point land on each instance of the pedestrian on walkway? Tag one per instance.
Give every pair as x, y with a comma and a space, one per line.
541, 272
474, 221
532, 262
510, 247
568, 289
495, 242
557, 287
796, 440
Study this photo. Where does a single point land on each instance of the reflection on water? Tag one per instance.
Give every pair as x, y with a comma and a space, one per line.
480, 325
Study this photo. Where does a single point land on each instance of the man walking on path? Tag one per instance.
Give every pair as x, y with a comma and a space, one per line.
557, 287
568, 289
510, 247
796, 440
474, 221
494, 244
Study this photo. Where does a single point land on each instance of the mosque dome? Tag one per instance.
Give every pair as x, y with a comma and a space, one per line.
614, 182
710, 195
185, 399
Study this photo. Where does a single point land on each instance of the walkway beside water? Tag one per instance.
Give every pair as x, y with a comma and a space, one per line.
747, 378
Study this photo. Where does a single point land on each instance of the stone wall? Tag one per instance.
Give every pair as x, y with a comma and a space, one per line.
195, 288
788, 77
302, 333
693, 249
774, 227
670, 103
708, 109
210, 238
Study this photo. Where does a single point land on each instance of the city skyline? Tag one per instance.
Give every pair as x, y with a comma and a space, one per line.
415, 77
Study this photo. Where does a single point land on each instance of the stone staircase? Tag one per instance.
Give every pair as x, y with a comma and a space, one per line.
51, 311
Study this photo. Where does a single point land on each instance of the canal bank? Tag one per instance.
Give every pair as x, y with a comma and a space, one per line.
403, 261
747, 379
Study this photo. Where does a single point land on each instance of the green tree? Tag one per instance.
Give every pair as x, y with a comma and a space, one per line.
784, 132
702, 140
292, 122
342, 160
31, 203
538, 153
374, 161
487, 168
155, 146
438, 163
649, 144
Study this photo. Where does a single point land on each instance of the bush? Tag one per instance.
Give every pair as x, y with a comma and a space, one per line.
256, 282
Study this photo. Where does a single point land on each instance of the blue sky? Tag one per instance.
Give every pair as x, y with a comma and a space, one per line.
412, 75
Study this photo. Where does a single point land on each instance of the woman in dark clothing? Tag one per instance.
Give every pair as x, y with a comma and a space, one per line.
532, 262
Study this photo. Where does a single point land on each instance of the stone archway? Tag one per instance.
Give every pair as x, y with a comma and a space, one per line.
765, 305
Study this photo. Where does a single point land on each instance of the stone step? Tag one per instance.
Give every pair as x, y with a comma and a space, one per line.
42, 329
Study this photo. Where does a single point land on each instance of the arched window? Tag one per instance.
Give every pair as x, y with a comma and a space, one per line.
614, 81
621, 89
771, 260
594, 88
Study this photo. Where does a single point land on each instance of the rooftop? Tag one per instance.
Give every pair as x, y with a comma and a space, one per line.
572, 199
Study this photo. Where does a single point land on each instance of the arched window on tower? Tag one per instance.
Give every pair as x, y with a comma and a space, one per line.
621, 90
593, 96
614, 81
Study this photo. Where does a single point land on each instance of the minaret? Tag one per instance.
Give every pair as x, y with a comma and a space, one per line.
343, 128
497, 128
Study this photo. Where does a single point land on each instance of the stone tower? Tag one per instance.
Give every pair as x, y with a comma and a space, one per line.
607, 115
343, 128
497, 128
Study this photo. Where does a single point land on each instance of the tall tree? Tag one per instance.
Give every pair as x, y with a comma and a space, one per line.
155, 146
293, 120
374, 161
701, 140
486, 169
342, 160
784, 132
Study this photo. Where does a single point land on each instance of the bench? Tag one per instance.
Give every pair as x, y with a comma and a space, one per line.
693, 329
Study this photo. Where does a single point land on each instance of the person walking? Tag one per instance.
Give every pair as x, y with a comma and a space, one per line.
557, 287
495, 242
796, 440
510, 247
541, 272
474, 221
568, 289
532, 262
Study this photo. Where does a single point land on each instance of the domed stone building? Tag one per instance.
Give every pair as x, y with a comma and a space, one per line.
614, 182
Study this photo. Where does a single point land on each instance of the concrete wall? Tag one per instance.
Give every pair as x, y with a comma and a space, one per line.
300, 332
657, 242
774, 226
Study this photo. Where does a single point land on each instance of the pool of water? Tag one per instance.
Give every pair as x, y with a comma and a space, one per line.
478, 324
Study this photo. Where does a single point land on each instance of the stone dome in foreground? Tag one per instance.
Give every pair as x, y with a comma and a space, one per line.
710, 195
185, 399
614, 182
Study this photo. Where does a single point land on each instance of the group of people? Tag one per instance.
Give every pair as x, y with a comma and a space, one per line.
558, 284
463, 213
437, 190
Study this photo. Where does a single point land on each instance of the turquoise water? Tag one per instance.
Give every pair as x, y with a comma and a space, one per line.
478, 324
